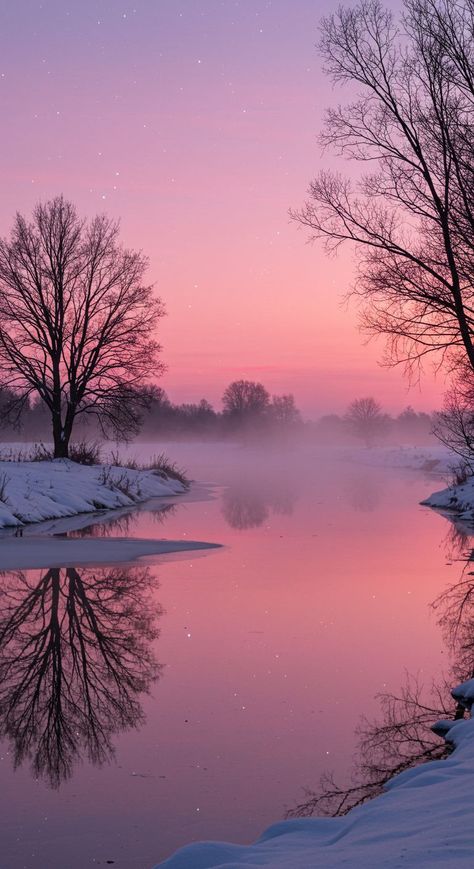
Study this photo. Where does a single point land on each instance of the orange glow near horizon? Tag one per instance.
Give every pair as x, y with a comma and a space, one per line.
196, 124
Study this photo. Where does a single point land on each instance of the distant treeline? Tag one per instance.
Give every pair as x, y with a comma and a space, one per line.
249, 411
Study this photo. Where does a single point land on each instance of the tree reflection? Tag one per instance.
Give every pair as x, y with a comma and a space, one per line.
121, 524
243, 510
75, 656
244, 506
364, 492
402, 738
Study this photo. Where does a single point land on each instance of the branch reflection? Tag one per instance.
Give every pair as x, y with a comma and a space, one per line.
75, 656
402, 737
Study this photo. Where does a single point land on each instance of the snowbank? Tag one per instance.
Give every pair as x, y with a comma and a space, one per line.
457, 499
424, 819
35, 491
433, 459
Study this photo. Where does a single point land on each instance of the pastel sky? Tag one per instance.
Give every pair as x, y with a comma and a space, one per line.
196, 123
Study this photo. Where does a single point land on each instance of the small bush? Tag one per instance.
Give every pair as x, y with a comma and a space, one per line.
37, 453
85, 453
159, 464
460, 474
117, 461
4, 478
162, 466
120, 483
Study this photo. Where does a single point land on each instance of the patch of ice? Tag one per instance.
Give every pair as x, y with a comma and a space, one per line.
24, 553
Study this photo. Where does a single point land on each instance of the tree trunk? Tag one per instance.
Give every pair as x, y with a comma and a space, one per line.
62, 432
61, 445
61, 437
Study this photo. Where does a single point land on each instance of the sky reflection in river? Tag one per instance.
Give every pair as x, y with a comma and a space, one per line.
271, 649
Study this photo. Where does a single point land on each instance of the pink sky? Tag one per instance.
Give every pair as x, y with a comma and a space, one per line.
196, 123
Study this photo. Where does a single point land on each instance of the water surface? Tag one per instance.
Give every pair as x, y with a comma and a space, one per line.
192, 697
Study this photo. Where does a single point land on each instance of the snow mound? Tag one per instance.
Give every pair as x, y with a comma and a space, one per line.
431, 459
457, 499
35, 491
423, 819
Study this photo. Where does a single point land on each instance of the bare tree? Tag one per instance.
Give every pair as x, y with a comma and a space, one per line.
284, 411
364, 419
244, 398
410, 214
77, 321
454, 425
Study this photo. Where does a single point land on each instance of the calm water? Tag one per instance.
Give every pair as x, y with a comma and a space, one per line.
210, 690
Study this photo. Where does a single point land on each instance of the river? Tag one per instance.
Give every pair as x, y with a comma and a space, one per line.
194, 696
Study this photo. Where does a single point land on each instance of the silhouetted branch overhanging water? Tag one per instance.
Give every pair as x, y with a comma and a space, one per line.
75, 658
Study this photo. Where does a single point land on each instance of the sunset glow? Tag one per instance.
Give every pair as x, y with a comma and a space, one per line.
196, 123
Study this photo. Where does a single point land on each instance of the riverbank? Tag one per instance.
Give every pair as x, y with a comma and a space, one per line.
37, 491
432, 458
424, 819
455, 499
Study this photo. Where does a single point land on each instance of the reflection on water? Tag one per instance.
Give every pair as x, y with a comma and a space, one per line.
269, 650
364, 491
248, 505
105, 523
75, 658
119, 525
402, 737
241, 510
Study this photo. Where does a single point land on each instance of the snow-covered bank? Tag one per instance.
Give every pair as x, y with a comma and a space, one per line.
424, 819
435, 458
35, 491
457, 499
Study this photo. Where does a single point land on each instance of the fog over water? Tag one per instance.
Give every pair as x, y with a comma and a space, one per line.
222, 682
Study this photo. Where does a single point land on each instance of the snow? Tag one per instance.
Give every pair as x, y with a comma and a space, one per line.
43, 499
36, 491
423, 819
455, 499
434, 458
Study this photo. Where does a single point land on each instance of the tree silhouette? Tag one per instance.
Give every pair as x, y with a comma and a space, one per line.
245, 401
75, 656
365, 420
410, 216
77, 322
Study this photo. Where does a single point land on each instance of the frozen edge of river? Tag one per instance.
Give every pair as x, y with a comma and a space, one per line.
423, 819
25, 553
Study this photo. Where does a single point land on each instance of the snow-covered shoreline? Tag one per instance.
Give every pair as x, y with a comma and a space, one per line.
36, 491
455, 499
433, 458
423, 819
